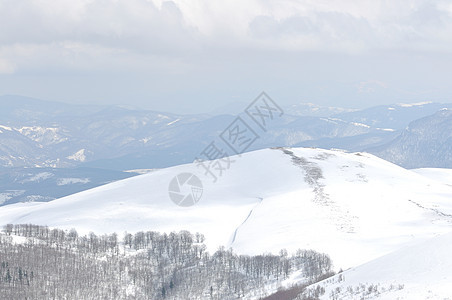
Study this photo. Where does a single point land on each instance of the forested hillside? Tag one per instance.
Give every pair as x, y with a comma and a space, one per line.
37, 262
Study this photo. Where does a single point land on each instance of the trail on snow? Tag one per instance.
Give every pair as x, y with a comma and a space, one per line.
246, 219
313, 175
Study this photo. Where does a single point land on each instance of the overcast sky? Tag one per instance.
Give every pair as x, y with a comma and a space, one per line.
195, 56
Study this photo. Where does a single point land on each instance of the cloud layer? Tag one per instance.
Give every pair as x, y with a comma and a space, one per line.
174, 38
72, 33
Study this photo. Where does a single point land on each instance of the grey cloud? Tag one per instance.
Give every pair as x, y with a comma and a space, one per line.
168, 29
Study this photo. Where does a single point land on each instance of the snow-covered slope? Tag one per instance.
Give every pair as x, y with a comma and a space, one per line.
353, 206
422, 271
438, 174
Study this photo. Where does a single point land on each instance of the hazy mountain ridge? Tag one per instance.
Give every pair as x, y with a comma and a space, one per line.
62, 135
395, 116
50, 134
35, 133
426, 142
311, 109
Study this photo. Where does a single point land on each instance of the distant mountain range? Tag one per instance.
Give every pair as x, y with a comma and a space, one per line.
36, 133
396, 116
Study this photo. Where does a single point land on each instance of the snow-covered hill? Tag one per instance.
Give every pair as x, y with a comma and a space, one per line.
438, 174
422, 271
353, 206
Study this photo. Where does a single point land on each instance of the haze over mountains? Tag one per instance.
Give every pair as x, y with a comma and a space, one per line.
426, 142
36, 133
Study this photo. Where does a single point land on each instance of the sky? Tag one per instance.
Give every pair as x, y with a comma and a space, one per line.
192, 56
